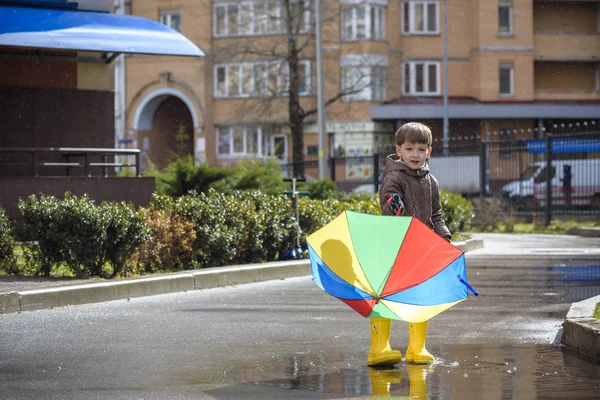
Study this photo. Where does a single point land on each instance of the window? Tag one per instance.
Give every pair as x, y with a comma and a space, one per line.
255, 79
506, 80
420, 17
421, 78
238, 141
505, 18
227, 19
300, 14
221, 84
172, 19
363, 83
543, 175
304, 78
259, 17
363, 23
245, 141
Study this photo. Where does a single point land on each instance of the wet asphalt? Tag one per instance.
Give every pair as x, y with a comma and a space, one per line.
287, 339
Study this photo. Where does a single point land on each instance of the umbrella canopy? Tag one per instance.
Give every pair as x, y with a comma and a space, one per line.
387, 266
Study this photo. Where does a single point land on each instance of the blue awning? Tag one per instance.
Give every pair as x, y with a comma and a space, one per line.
564, 146
63, 29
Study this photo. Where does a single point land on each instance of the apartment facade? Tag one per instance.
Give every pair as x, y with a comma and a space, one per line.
515, 69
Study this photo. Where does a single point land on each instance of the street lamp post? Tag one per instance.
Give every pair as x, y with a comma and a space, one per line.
446, 127
320, 93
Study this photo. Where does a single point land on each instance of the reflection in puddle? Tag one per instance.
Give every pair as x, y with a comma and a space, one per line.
573, 283
463, 372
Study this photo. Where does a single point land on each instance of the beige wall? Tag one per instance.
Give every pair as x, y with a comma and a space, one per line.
487, 75
565, 76
566, 16
95, 76
561, 46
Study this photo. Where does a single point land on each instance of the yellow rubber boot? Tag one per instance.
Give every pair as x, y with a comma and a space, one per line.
416, 352
383, 379
417, 381
380, 352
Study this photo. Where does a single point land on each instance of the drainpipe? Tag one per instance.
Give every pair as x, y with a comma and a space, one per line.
120, 108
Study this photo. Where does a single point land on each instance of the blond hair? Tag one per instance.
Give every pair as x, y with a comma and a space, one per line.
414, 132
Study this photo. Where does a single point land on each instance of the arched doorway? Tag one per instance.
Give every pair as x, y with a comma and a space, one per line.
165, 123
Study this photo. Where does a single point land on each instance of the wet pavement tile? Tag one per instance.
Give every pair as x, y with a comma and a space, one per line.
460, 372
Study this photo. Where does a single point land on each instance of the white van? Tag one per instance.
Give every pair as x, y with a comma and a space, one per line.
584, 188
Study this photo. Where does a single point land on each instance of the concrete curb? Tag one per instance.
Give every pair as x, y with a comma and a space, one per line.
9, 302
586, 232
61, 296
469, 244
581, 332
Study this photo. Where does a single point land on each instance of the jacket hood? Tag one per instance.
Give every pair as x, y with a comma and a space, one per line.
393, 162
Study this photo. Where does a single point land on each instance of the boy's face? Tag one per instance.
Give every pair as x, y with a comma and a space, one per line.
413, 154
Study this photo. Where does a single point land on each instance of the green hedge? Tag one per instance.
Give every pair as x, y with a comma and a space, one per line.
457, 210
237, 228
197, 230
79, 235
7, 244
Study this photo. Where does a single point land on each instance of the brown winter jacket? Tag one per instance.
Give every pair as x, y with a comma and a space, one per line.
418, 190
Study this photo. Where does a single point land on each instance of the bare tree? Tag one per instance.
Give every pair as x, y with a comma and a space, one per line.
291, 25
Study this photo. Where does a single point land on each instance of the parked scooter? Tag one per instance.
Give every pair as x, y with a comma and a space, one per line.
295, 252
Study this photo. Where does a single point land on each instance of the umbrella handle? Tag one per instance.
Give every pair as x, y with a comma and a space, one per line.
468, 286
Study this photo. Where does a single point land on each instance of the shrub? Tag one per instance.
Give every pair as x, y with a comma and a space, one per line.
272, 223
126, 230
70, 231
181, 176
253, 175
126, 172
78, 234
323, 189
7, 244
489, 214
216, 225
457, 211
241, 227
170, 243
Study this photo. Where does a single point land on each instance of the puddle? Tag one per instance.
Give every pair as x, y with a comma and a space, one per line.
460, 372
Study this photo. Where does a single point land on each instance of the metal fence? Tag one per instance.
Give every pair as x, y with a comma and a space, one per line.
66, 161
515, 171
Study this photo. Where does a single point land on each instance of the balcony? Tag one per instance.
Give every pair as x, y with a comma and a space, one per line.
556, 46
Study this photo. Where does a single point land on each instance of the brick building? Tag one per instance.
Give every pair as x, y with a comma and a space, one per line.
516, 68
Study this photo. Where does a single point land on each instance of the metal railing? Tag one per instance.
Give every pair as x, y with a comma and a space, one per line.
511, 170
31, 159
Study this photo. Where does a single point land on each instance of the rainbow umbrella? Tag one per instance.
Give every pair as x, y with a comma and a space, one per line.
387, 266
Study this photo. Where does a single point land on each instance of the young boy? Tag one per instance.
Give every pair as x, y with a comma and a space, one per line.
408, 188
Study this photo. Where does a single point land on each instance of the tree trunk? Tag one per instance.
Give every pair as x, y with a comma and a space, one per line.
296, 119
